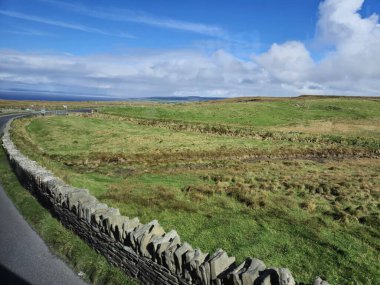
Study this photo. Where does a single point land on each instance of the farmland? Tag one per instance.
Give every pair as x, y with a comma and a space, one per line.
294, 182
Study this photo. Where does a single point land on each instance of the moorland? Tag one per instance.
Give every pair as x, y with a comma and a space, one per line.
292, 181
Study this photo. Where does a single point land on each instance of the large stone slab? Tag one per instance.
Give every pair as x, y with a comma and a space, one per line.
143, 235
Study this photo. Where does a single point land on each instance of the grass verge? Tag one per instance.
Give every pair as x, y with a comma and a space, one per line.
61, 241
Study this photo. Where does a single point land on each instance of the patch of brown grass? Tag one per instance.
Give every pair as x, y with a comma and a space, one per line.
357, 127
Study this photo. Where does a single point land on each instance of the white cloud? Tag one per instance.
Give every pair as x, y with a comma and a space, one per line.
289, 62
356, 41
350, 67
169, 73
341, 24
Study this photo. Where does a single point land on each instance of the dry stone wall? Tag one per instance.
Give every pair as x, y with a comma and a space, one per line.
144, 251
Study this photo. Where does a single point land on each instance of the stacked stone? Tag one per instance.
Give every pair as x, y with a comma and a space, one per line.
143, 251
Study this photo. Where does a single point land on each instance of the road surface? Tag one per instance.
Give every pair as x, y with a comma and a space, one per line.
24, 257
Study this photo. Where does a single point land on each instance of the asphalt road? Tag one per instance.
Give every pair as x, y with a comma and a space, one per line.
24, 257
4, 119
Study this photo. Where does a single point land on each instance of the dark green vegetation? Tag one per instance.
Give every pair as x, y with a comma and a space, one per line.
62, 241
294, 182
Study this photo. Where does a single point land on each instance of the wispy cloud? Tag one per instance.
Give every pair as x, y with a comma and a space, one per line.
28, 32
124, 15
61, 24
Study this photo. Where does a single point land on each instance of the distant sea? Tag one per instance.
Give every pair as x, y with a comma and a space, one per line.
63, 96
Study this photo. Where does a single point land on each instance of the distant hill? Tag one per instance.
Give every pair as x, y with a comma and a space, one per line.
176, 99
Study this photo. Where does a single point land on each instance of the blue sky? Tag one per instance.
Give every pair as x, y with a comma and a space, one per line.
179, 48
241, 23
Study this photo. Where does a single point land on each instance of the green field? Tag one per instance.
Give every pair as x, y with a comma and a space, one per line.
260, 114
294, 182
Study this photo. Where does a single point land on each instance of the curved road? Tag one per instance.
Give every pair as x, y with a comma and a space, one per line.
24, 257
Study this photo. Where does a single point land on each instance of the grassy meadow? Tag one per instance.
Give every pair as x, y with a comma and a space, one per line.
261, 113
294, 182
